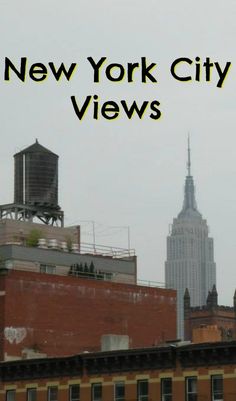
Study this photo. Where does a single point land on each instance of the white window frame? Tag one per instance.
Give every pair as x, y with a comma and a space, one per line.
191, 395
50, 388
71, 397
217, 395
141, 396
117, 397
94, 386
31, 391
166, 396
11, 395
48, 269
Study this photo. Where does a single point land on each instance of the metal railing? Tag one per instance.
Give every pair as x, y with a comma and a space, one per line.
104, 250
82, 248
148, 283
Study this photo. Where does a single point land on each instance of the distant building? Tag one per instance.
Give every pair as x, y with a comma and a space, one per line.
190, 254
209, 318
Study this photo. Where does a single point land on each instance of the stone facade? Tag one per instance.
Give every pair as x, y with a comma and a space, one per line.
190, 255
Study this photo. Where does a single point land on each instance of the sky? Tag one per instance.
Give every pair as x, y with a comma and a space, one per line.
127, 172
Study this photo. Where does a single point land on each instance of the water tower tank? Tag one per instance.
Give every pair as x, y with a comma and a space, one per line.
36, 177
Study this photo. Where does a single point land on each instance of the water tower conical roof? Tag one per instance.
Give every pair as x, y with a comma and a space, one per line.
35, 148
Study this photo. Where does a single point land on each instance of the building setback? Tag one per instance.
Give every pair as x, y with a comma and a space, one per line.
205, 372
190, 254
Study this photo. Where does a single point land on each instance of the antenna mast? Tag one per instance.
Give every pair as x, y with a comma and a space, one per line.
189, 158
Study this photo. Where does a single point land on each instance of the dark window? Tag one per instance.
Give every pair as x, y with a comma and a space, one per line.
96, 392
119, 390
11, 395
191, 389
50, 269
75, 392
143, 390
31, 394
52, 393
217, 388
166, 389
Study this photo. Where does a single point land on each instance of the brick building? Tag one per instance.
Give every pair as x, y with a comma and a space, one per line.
59, 296
56, 301
222, 318
191, 372
53, 315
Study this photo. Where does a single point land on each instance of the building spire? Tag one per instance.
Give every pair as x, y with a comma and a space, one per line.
190, 206
189, 158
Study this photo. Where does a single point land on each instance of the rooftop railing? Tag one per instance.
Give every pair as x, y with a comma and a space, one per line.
82, 248
104, 250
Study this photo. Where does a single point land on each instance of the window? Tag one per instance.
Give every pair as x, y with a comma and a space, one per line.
166, 389
143, 390
31, 394
191, 389
52, 393
74, 392
11, 395
96, 392
50, 269
217, 387
119, 391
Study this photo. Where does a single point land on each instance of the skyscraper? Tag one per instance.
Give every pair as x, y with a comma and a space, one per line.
190, 253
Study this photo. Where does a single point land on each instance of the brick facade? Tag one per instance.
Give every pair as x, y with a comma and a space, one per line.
56, 315
211, 314
203, 365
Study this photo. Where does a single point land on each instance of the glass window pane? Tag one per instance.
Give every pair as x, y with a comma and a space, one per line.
192, 397
167, 398
119, 391
143, 390
11, 395
97, 392
218, 397
217, 387
75, 392
52, 393
191, 389
167, 386
192, 385
31, 394
166, 389
218, 384
47, 269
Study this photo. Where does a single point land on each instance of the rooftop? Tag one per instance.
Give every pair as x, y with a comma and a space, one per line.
166, 356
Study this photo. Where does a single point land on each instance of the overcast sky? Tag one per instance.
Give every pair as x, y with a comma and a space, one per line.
128, 172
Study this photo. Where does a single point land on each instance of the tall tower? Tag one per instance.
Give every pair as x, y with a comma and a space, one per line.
190, 253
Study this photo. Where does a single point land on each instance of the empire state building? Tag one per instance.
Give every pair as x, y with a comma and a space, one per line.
190, 254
